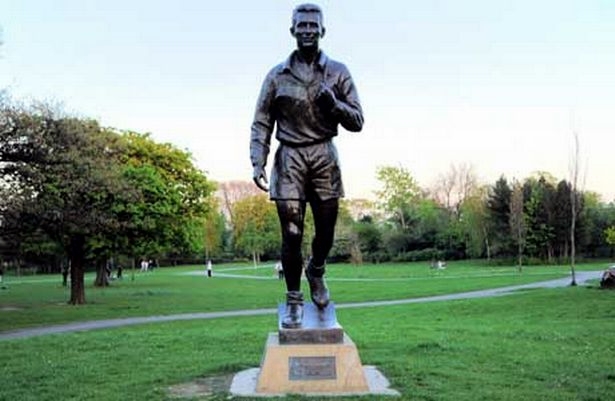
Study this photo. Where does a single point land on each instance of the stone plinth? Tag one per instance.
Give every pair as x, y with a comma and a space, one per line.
311, 368
317, 358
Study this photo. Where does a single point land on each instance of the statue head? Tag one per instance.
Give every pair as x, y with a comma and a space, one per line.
307, 26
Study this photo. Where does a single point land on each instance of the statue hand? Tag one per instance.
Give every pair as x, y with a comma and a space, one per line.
325, 97
260, 178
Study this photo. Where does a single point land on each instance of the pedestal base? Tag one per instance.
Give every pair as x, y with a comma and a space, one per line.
311, 368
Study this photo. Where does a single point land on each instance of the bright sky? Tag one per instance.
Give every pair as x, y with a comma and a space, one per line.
497, 84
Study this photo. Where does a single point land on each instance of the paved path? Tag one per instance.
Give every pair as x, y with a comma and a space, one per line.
582, 277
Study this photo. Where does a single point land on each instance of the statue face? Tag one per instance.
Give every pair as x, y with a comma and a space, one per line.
307, 30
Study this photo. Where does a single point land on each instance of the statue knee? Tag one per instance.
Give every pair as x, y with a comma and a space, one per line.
293, 234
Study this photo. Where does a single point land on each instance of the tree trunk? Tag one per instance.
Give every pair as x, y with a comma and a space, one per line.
102, 278
520, 255
572, 243
487, 245
77, 257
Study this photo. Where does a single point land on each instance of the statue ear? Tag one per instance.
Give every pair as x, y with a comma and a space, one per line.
322, 35
292, 30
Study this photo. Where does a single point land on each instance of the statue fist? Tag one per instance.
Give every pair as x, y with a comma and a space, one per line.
325, 97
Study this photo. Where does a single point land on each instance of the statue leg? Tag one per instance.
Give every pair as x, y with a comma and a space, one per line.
291, 214
325, 217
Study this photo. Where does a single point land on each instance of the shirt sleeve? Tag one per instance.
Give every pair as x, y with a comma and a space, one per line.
347, 107
263, 123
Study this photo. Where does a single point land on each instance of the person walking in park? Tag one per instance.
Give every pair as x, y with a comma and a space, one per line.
209, 268
306, 97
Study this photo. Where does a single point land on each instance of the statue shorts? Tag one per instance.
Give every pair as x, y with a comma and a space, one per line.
304, 172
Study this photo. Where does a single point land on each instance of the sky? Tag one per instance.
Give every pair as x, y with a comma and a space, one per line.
498, 85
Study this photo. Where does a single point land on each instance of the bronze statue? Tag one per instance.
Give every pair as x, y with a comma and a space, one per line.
306, 98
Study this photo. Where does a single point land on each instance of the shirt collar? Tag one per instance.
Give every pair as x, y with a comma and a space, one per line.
322, 61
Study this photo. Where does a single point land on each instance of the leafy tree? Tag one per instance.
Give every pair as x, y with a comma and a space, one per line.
561, 219
474, 219
591, 221
214, 232
498, 206
539, 194
609, 234
174, 198
64, 174
399, 191
518, 225
369, 237
256, 228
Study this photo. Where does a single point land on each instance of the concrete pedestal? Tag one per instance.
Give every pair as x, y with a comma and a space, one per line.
316, 358
311, 368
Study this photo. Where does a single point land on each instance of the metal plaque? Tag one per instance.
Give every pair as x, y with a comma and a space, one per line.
311, 368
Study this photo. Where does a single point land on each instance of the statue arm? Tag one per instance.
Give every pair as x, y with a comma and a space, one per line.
262, 126
347, 108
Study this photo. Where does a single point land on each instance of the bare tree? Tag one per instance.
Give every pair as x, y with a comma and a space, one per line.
230, 192
574, 169
454, 186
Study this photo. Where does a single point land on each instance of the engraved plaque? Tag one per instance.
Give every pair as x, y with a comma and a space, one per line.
311, 368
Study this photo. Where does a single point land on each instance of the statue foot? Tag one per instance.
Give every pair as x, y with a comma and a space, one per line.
318, 287
294, 310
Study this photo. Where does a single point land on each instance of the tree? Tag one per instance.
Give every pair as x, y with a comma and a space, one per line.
518, 225
453, 187
214, 232
399, 191
230, 192
539, 194
498, 206
561, 219
574, 171
173, 199
609, 235
475, 223
65, 177
256, 228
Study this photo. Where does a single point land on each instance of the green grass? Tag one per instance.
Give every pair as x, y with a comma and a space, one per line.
551, 344
41, 300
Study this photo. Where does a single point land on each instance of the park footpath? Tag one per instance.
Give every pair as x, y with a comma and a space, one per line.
581, 277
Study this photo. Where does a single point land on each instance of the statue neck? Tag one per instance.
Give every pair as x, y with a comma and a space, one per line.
309, 55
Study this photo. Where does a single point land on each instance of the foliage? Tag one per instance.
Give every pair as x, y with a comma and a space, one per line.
63, 177
609, 234
215, 231
518, 223
256, 227
498, 205
399, 191
170, 214
475, 223
94, 192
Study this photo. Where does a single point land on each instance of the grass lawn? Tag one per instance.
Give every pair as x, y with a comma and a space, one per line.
41, 300
537, 345
547, 344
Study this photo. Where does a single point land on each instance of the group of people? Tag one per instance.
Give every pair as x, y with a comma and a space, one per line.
147, 265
